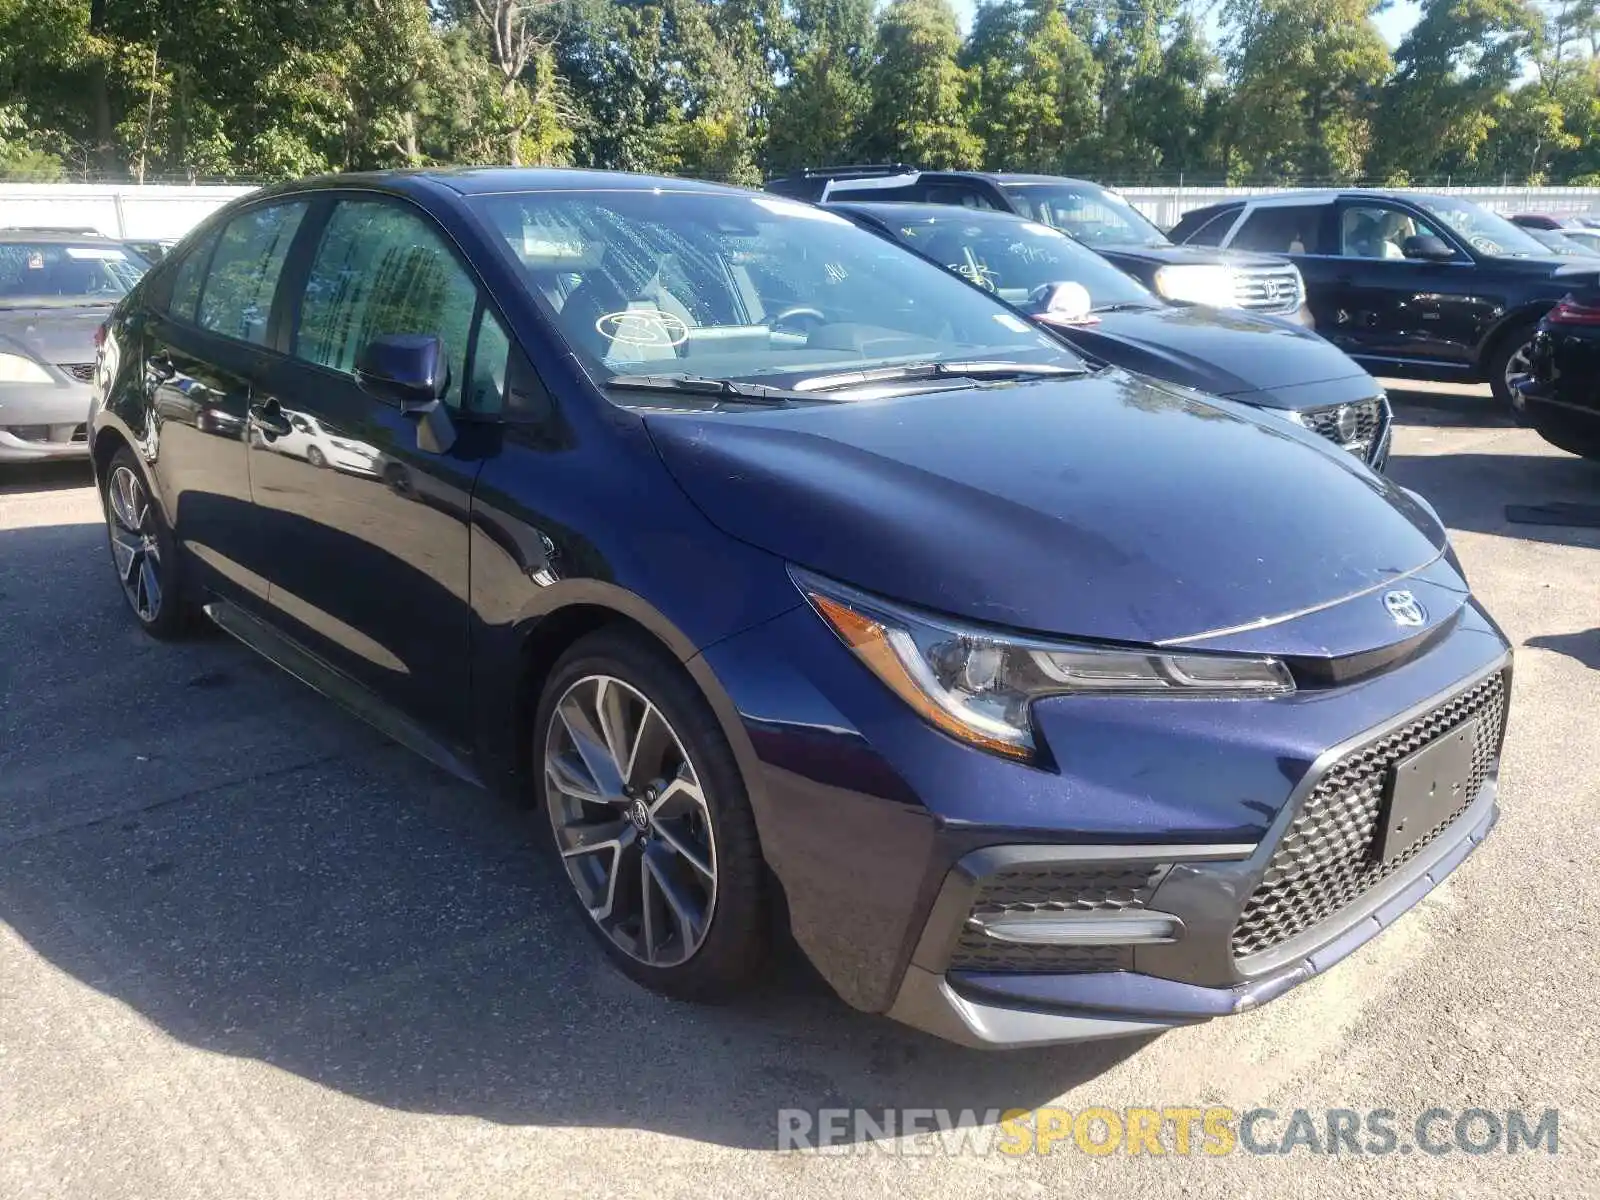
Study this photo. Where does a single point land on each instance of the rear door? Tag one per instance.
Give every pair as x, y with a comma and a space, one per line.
367, 531
205, 357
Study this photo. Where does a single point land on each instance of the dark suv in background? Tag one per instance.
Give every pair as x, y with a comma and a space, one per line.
1408, 284
1095, 216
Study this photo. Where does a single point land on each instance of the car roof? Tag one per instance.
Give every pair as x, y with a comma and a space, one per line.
1329, 195
483, 181
57, 236
913, 210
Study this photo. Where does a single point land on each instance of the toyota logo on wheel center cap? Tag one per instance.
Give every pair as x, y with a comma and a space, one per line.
639, 814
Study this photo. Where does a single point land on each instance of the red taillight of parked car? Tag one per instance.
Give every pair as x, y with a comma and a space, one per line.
1573, 312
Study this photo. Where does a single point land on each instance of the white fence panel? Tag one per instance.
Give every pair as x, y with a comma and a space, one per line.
153, 211
1164, 205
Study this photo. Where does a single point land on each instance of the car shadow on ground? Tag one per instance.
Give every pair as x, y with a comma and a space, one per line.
1462, 409
187, 830
17, 478
1472, 491
1584, 646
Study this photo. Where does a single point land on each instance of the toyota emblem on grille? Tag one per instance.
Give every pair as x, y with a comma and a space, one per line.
1347, 423
1404, 608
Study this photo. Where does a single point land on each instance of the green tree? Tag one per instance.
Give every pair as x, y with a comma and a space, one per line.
1035, 87
918, 109
1306, 76
819, 112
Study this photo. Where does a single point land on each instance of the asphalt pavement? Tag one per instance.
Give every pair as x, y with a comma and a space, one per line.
248, 948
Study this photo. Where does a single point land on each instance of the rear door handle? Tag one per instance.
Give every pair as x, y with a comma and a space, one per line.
161, 367
270, 420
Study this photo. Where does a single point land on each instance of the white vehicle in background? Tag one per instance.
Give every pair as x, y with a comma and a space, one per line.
308, 440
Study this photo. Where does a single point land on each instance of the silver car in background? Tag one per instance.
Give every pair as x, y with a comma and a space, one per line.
56, 289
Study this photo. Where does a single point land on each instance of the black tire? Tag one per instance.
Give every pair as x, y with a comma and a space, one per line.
1574, 436
315, 457
145, 559
1507, 347
735, 940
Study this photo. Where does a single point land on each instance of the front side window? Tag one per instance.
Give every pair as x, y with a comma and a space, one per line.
1379, 231
1015, 258
37, 274
236, 296
1486, 232
1282, 229
384, 269
736, 286
1091, 214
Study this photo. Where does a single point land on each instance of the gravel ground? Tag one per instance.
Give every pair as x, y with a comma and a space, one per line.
249, 949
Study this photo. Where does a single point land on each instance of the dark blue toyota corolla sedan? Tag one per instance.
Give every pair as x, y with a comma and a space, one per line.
786, 575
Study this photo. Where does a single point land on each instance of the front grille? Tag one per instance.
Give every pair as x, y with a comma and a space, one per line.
1325, 860
1267, 289
1093, 888
82, 372
1353, 426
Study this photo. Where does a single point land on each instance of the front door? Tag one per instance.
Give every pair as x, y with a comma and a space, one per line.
1390, 310
366, 531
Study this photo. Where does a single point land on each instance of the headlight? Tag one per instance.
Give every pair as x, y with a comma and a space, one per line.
16, 369
1197, 284
979, 685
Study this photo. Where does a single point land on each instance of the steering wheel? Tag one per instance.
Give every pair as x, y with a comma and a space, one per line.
798, 313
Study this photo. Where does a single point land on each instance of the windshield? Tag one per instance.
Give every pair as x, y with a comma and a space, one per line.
62, 274
728, 286
1486, 232
1014, 259
1091, 214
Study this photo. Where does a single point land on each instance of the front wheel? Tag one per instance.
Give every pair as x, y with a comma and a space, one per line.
1510, 363
649, 818
143, 550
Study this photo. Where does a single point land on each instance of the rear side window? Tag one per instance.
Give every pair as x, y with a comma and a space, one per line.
236, 300
1211, 232
382, 269
1282, 229
186, 284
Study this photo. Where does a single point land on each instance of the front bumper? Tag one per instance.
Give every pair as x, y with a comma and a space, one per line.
882, 833
44, 421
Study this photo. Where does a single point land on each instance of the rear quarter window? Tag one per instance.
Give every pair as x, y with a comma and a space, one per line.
1206, 230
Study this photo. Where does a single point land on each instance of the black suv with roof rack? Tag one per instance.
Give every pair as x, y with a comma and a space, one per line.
1408, 284
1094, 215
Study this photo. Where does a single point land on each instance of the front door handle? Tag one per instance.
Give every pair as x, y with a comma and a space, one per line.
269, 419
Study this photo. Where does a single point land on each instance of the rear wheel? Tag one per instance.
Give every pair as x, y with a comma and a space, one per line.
143, 550
315, 457
1509, 363
649, 819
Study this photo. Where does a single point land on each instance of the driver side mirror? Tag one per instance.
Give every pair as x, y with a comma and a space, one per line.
409, 371
1428, 248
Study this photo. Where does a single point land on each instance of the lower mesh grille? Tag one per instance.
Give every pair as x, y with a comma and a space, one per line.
82, 372
1324, 861
1100, 888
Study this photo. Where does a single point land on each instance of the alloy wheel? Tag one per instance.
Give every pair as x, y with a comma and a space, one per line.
1518, 367
630, 820
135, 547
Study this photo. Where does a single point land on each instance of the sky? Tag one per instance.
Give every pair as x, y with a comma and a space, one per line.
1394, 23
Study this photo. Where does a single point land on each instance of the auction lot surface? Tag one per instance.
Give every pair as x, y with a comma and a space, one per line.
250, 949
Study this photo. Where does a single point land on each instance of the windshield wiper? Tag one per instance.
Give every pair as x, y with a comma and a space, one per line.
704, 385
1123, 306
931, 370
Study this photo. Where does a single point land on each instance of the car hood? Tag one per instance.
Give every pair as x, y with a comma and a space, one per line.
1223, 352
1107, 506
51, 335
1176, 254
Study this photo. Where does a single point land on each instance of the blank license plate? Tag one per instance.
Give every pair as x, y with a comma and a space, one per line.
1423, 790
